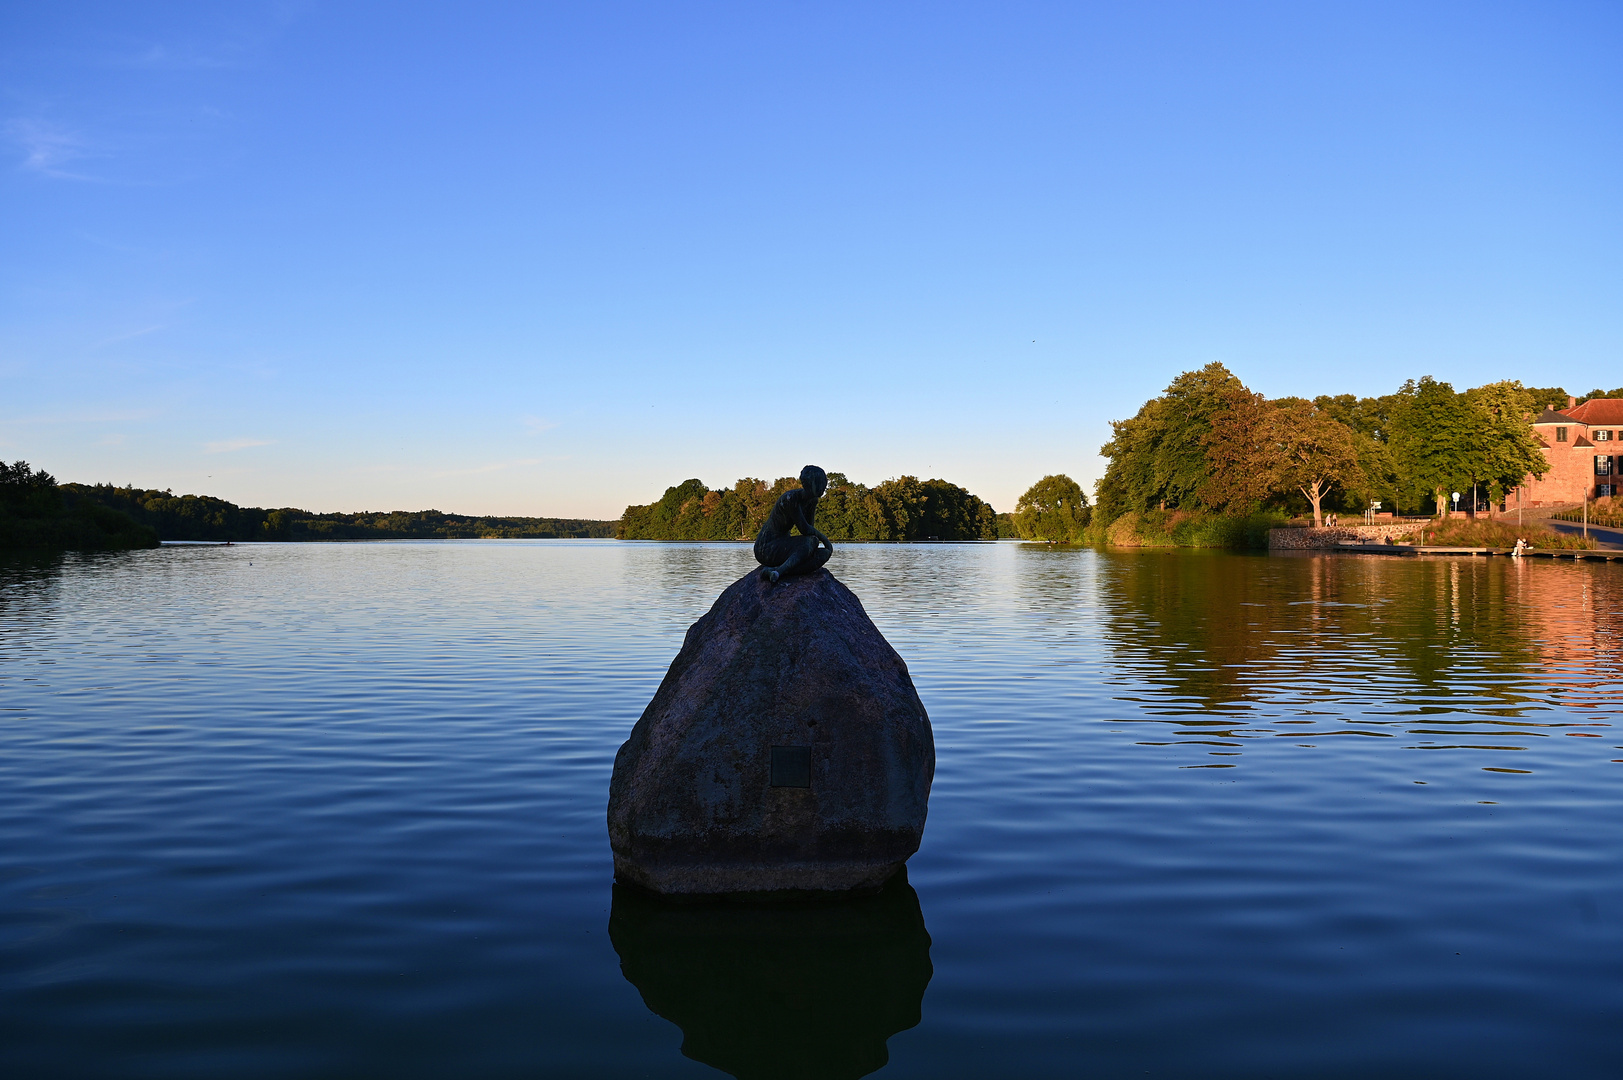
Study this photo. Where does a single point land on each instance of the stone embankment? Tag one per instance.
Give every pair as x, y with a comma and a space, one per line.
1301, 539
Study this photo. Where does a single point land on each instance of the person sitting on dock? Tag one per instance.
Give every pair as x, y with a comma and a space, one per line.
1521, 546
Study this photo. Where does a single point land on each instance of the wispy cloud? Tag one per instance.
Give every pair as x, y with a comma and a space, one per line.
226, 446
535, 425
143, 332
48, 148
493, 467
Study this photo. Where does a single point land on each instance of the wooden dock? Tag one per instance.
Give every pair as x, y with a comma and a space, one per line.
1356, 548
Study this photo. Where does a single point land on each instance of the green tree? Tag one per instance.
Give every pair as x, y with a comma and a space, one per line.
24, 489
1548, 396
1158, 457
1437, 443
36, 512
1509, 448
1053, 510
1312, 452
1371, 421
1241, 455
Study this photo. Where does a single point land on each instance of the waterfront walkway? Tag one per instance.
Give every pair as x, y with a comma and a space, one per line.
1611, 538
1610, 553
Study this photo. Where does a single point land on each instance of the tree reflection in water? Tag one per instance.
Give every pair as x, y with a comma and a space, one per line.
1348, 645
1224, 634
780, 991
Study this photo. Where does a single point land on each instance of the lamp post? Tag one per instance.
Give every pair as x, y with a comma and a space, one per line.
1456, 502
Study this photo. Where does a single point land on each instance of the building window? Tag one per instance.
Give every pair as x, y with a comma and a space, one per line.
1603, 491
1560, 434
1603, 465
1603, 436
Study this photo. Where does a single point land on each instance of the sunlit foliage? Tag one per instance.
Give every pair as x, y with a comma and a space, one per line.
1211, 444
1053, 510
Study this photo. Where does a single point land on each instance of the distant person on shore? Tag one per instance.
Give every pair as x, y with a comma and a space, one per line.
1521, 546
782, 554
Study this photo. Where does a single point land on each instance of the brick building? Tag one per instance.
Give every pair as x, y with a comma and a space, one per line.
1582, 445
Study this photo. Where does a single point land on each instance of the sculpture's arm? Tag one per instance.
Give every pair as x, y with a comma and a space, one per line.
798, 515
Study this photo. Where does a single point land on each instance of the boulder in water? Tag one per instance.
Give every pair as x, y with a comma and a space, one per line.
786, 752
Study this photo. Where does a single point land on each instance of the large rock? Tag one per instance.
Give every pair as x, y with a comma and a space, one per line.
785, 752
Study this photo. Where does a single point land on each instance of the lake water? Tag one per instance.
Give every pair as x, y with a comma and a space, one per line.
338, 810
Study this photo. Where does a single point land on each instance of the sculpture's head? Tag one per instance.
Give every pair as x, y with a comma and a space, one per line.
814, 480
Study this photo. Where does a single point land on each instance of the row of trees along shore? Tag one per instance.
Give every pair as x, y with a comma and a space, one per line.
38, 512
905, 508
1211, 446
202, 517
1209, 455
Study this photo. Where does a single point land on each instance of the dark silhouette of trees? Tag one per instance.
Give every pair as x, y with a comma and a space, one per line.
36, 512
905, 508
203, 517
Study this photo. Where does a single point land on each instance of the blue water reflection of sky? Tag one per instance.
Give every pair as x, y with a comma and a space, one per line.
339, 809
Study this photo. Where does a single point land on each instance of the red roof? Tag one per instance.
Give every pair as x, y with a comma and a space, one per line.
1599, 412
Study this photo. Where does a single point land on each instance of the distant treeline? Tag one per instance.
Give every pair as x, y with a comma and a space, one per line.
203, 517
36, 513
905, 508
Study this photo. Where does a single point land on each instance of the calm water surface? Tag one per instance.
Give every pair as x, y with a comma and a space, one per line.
338, 810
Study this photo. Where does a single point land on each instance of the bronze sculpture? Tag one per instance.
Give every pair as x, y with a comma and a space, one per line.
782, 554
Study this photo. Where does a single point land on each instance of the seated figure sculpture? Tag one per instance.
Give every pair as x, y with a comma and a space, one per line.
782, 554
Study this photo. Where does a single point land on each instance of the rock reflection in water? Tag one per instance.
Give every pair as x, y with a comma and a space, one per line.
781, 991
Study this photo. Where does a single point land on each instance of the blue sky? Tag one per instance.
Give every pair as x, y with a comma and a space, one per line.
548, 259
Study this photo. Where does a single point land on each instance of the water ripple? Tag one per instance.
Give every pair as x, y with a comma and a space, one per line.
340, 811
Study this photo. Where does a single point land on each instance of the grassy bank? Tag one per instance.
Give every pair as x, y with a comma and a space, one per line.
1463, 532
1186, 528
